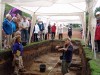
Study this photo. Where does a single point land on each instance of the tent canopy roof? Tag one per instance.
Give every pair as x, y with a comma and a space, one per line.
50, 7
65, 19
59, 8
39, 1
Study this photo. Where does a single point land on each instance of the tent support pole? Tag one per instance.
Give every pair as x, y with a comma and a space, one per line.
2, 8
82, 17
34, 17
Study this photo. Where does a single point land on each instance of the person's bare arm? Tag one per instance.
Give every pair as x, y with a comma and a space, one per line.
57, 47
62, 49
65, 49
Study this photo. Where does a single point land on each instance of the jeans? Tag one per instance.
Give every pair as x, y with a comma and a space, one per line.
41, 35
24, 35
35, 37
53, 35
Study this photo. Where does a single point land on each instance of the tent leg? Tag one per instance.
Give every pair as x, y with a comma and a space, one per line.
83, 26
34, 17
2, 8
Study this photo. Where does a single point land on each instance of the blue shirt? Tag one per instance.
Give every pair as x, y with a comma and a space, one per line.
67, 55
7, 27
13, 26
17, 46
41, 26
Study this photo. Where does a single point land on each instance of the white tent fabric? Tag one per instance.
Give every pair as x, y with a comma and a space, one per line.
54, 8
39, 1
69, 1
57, 8
92, 22
49, 7
83, 22
2, 7
67, 19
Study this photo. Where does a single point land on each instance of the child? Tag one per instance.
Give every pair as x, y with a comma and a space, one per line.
17, 53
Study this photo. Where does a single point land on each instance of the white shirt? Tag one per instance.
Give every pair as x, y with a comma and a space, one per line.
60, 29
25, 24
36, 29
45, 28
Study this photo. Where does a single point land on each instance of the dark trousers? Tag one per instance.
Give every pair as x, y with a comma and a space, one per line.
24, 35
35, 37
70, 34
98, 45
60, 36
48, 36
53, 35
45, 36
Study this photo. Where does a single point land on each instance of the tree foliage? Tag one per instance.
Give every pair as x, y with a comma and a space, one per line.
76, 25
96, 10
8, 7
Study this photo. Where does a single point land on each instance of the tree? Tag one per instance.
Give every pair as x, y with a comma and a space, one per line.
96, 10
8, 7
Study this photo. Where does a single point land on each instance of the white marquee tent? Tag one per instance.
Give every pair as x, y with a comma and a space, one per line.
51, 8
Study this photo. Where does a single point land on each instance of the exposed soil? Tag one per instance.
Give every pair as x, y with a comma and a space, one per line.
53, 65
75, 33
37, 54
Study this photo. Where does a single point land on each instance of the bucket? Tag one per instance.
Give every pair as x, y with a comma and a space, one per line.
42, 67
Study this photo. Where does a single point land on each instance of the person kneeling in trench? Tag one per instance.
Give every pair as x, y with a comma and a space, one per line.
66, 57
17, 50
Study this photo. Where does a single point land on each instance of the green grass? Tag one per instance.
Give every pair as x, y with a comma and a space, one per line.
88, 52
76, 39
95, 67
94, 63
81, 40
7, 50
34, 43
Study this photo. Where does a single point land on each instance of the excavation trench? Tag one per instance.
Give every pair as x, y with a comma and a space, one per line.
45, 53
51, 59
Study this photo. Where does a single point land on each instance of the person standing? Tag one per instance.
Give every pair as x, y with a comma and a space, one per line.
70, 31
53, 31
8, 29
25, 26
41, 27
17, 50
60, 32
67, 50
97, 35
49, 31
36, 30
